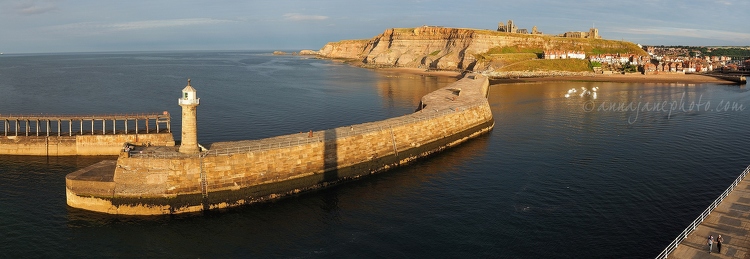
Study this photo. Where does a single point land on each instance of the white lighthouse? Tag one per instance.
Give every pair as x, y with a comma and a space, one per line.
189, 102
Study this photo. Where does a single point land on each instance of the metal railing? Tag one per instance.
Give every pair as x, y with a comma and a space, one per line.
118, 116
353, 131
186, 101
672, 246
37, 124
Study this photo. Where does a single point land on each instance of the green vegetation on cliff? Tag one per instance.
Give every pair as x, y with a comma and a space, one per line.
614, 47
513, 49
732, 52
588, 46
507, 58
571, 65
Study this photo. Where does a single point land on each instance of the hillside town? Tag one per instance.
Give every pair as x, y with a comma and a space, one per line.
661, 60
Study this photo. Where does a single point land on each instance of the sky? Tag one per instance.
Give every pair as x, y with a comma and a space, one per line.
52, 26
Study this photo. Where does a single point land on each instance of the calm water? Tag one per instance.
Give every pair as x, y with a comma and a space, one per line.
552, 180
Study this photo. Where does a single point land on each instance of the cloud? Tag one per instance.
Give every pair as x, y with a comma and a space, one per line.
152, 24
739, 37
724, 2
136, 25
35, 7
303, 17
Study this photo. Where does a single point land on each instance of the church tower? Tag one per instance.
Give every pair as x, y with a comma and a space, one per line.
594, 33
189, 103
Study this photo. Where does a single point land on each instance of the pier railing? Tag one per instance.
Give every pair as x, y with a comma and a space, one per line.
118, 116
343, 132
55, 124
672, 246
302, 139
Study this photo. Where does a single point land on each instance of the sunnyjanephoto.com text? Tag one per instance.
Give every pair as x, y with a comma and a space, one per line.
668, 107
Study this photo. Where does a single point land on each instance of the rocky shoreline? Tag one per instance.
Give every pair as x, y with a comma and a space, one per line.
533, 74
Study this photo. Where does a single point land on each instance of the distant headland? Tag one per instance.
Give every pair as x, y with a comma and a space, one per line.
508, 53
477, 50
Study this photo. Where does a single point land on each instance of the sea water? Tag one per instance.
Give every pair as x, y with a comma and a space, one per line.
615, 174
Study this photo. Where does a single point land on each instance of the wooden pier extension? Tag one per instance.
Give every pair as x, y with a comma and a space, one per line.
49, 125
62, 135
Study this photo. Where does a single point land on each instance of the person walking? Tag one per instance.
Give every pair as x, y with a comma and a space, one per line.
719, 240
710, 243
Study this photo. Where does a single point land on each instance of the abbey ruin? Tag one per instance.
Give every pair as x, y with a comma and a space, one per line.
511, 27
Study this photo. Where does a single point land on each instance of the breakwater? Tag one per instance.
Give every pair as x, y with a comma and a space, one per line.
161, 180
737, 78
70, 135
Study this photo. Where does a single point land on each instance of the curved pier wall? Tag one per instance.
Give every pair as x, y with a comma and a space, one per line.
246, 171
228, 172
85, 145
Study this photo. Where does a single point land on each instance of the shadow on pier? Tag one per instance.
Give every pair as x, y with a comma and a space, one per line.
330, 156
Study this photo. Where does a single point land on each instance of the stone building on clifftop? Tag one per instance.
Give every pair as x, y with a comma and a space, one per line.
593, 33
512, 28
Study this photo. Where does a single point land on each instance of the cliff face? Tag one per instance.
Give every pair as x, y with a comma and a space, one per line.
458, 49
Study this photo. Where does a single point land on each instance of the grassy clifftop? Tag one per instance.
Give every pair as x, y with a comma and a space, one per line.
537, 44
571, 65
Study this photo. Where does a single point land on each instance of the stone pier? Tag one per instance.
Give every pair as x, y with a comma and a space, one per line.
163, 180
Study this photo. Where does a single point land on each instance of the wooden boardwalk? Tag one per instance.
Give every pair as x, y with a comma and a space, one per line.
730, 219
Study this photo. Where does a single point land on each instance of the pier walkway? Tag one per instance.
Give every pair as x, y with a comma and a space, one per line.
728, 216
70, 125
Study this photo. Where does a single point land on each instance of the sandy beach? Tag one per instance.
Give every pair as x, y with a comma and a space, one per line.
628, 78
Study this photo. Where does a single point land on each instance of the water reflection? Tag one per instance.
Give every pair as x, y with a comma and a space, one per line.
629, 102
406, 89
548, 171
